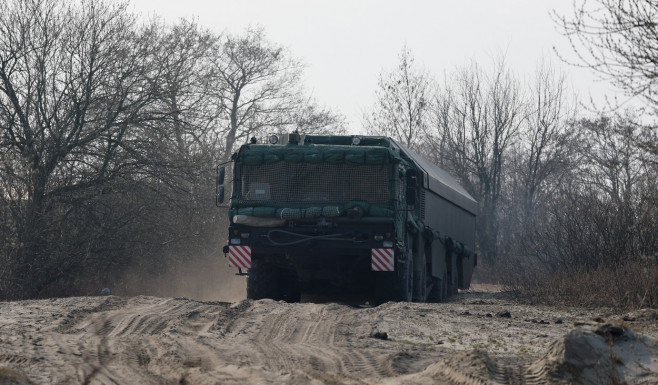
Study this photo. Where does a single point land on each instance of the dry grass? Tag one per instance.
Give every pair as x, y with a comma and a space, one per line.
630, 285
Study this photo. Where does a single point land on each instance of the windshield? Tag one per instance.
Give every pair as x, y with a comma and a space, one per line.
285, 182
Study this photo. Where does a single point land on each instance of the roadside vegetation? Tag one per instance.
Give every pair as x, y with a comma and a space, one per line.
623, 286
112, 126
600, 233
568, 191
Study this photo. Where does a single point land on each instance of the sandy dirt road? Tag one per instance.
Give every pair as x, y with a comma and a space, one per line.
478, 337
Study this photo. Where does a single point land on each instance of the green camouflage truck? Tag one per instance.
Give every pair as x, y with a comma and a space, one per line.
356, 215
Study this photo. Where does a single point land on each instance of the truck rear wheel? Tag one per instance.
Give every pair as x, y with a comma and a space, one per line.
404, 287
439, 290
453, 281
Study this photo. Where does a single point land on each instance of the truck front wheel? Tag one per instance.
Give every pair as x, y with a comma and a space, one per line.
405, 282
397, 285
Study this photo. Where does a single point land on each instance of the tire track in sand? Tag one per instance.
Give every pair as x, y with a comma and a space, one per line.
147, 340
310, 337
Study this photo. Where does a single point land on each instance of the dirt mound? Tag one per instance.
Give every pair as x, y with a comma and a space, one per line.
607, 354
149, 340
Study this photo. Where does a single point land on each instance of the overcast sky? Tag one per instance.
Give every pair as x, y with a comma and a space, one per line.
346, 44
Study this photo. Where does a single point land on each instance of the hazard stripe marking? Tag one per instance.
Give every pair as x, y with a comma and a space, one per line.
243, 254
237, 260
385, 258
239, 256
382, 260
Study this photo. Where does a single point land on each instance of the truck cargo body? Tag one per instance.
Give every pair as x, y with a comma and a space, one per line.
336, 214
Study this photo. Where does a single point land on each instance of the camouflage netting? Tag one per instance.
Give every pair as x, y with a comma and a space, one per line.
373, 210
284, 182
265, 154
309, 181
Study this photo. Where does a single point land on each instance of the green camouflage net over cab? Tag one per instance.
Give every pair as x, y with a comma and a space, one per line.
299, 212
313, 181
266, 154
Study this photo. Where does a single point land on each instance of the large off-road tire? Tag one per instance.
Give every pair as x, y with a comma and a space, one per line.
262, 281
397, 285
444, 286
439, 290
404, 287
394, 286
420, 278
453, 284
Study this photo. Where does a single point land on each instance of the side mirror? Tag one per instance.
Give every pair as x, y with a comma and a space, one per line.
219, 187
411, 191
412, 182
220, 195
221, 171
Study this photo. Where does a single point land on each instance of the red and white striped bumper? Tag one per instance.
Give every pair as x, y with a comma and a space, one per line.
382, 260
239, 256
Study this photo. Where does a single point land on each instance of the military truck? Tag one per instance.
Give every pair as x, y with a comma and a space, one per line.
347, 214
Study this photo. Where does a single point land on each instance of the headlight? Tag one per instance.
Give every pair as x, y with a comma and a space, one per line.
235, 241
273, 139
387, 243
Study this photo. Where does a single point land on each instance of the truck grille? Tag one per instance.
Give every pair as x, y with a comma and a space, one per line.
285, 182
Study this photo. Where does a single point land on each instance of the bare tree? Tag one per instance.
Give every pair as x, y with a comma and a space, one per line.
179, 151
602, 213
617, 170
618, 40
612, 163
312, 118
538, 164
183, 60
477, 120
111, 130
72, 85
545, 138
258, 86
403, 103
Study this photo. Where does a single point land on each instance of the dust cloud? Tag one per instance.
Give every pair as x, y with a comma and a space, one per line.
202, 279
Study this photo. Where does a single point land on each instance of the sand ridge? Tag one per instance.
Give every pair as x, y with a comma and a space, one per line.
478, 337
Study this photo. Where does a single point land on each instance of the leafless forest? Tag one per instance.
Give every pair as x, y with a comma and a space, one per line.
111, 126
